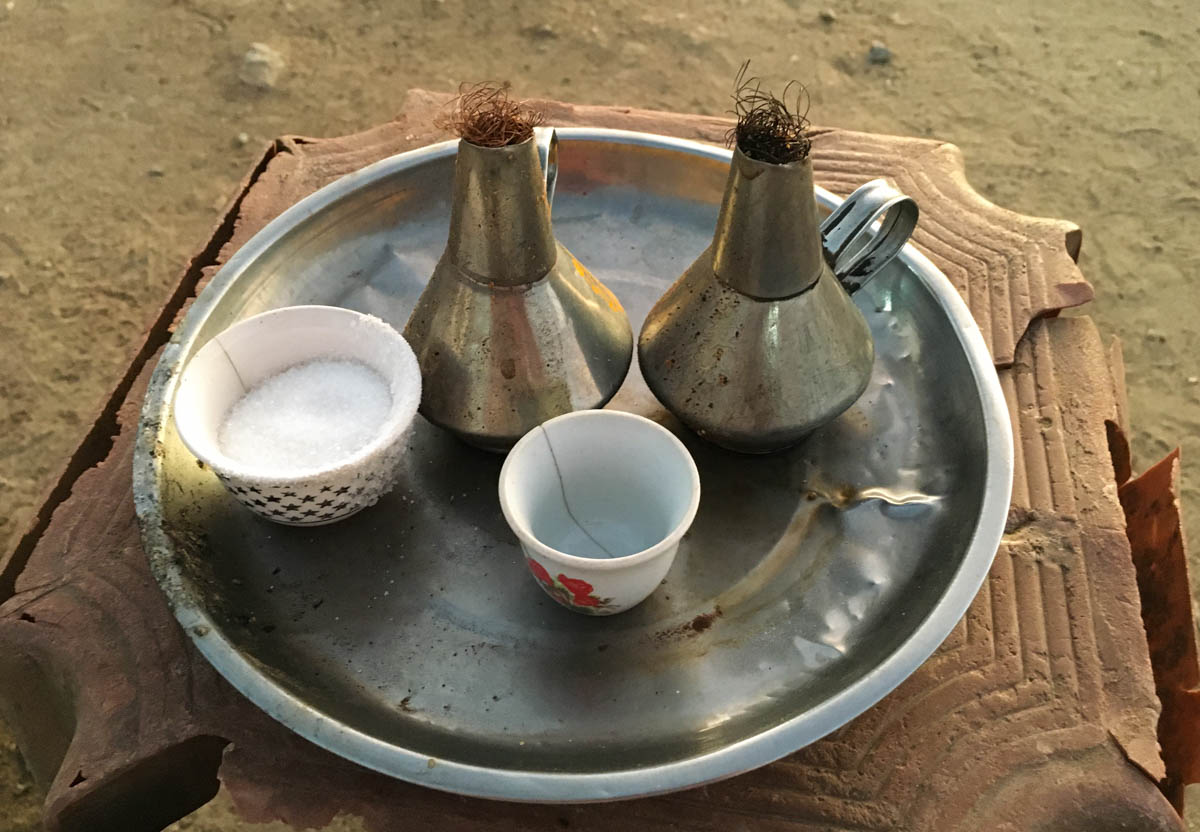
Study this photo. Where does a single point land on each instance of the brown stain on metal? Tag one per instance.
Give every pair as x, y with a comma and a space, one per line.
702, 622
690, 628
841, 497
845, 496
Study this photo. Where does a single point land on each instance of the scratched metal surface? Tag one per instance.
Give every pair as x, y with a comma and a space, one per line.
411, 638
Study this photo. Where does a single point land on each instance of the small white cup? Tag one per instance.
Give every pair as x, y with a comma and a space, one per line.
599, 500
257, 348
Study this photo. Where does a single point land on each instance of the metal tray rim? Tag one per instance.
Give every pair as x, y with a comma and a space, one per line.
549, 786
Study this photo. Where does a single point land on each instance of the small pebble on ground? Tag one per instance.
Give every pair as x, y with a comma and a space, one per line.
261, 67
879, 54
542, 31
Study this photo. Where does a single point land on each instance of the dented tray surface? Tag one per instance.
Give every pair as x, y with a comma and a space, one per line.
411, 638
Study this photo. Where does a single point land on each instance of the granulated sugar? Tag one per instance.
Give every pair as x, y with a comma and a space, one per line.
311, 416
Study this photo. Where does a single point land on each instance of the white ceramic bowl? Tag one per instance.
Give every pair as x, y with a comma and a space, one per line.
259, 347
599, 500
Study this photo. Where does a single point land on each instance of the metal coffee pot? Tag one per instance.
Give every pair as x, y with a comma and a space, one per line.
759, 342
512, 330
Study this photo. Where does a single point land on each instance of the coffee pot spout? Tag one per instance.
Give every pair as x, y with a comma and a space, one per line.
767, 245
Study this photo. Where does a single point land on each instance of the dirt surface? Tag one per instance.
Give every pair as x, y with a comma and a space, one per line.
125, 125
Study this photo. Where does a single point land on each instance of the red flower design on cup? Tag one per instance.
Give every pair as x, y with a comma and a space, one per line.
581, 591
539, 572
570, 592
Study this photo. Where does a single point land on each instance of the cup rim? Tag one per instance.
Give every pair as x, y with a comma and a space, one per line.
669, 541
392, 429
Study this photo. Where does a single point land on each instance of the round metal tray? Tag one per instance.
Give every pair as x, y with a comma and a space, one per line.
411, 639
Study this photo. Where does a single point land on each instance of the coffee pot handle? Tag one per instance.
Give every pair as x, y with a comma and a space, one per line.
854, 252
547, 147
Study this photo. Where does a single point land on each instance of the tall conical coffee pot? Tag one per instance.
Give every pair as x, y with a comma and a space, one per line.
512, 330
759, 342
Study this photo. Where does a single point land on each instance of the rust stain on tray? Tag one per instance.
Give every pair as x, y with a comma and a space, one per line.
690, 628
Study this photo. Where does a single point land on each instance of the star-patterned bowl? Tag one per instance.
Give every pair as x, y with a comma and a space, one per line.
252, 350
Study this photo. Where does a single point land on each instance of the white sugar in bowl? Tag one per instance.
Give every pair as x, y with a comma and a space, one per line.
302, 412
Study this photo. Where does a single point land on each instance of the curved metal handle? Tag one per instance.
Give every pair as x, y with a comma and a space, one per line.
856, 253
547, 147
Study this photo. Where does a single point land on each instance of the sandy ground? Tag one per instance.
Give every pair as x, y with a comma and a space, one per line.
124, 126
